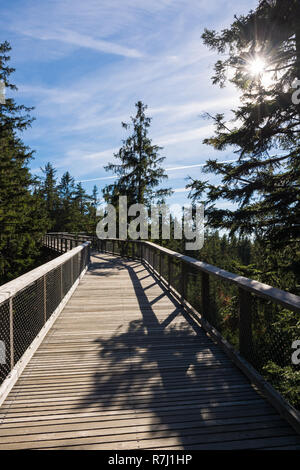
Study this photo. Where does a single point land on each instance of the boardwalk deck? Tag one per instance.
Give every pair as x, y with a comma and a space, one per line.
124, 367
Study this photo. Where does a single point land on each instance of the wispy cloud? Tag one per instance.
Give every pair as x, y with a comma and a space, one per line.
82, 40
83, 65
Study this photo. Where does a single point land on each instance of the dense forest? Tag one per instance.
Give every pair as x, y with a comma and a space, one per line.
260, 239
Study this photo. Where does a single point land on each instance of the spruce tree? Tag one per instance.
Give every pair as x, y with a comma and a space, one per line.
139, 171
23, 220
49, 192
67, 210
261, 57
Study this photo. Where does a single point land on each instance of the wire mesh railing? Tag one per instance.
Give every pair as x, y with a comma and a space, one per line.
27, 302
261, 323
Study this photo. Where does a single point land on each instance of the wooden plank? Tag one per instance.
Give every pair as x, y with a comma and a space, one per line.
123, 369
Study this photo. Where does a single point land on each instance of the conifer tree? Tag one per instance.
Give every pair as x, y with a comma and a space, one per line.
67, 209
139, 171
23, 220
49, 192
261, 57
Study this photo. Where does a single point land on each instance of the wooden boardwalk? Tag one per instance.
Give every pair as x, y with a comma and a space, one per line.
124, 367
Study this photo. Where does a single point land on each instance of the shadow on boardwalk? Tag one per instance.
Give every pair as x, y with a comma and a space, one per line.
166, 374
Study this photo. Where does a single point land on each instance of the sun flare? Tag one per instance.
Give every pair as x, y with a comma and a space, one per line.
257, 66
258, 69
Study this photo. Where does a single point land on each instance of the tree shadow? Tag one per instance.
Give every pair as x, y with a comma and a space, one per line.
163, 370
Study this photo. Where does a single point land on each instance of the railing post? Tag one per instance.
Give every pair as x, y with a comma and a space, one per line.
11, 333
169, 270
183, 281
205, 302
66, 245
88, 254
45, 297
61, 282
160, 260
245, 326
72, 269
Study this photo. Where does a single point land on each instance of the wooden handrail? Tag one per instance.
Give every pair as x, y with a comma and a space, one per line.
286, 299
12, 287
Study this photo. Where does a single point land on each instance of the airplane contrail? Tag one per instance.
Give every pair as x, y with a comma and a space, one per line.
166, 169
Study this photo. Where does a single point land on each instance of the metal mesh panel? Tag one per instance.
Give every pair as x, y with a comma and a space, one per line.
117, 248
5, 340
28, 316
274, 329
53, 282
164, 266
224, 309
109, 246
193, 287
32, 307
82, 260
175, 274
67, 276
75, 267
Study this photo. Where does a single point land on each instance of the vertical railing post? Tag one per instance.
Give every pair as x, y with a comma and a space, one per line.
61, 282
169, 270
11, 333
72, 269
245, 326
66, 245
183, 281
205, 300
160, 261
45, 297
89, 254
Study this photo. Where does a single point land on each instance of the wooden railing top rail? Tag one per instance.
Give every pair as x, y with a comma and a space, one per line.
12, 287
288, 300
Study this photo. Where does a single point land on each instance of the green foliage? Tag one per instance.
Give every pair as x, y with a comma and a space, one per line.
23, 217
274, 328
286, 380
264, 182
69, 206
139, 170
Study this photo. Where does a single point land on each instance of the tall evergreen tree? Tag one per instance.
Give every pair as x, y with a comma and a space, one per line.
67, 210
49, 192
23, 220
92, 211
139, 171
262, 60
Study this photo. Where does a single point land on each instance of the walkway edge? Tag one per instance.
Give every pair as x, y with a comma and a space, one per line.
15, 373
286, 411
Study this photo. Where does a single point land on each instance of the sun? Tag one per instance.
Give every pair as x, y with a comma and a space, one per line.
257, 66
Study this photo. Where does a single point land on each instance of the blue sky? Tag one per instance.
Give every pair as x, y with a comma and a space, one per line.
84, 64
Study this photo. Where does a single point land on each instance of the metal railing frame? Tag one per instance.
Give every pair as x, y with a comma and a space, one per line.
35, 279
151, 255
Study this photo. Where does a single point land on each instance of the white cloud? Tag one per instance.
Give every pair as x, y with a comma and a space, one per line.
193, 134
82, 40
133, 49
